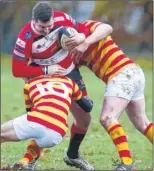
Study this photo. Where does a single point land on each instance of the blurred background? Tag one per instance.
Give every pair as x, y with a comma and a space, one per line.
132, 20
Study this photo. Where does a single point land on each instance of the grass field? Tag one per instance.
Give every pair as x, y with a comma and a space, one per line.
97, 147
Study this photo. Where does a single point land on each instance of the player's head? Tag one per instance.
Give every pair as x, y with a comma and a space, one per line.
42, 15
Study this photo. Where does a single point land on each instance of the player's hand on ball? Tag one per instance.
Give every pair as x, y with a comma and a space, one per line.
78, 51
56, 70
75, 40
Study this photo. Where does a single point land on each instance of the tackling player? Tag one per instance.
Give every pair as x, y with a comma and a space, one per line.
125, 83
47, 101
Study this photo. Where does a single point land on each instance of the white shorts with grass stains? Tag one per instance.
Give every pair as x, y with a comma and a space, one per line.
128, 84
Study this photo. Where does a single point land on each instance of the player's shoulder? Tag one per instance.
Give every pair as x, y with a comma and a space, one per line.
58, 13
26, 32
88, 22
64, 79
60, 16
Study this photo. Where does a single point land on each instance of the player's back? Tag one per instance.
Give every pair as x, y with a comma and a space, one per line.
104, 58
47, 87
51, 99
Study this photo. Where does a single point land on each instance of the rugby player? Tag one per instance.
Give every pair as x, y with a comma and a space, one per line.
125, 83
47, 101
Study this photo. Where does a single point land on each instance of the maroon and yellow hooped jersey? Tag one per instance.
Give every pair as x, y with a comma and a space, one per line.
49, 99
104, 58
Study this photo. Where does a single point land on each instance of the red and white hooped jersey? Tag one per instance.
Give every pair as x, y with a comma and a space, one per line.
46, 50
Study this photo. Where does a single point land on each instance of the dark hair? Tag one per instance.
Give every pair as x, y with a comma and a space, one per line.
42, 11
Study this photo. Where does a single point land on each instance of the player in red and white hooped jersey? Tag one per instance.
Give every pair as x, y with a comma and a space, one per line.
37, 42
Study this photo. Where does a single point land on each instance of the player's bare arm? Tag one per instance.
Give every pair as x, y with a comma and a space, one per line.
100, 32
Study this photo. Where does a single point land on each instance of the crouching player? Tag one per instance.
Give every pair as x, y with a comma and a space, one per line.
47, 101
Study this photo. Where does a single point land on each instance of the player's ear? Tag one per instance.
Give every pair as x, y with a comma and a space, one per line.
34, 20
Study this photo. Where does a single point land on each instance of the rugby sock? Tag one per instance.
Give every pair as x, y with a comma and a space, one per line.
33, 152
149, 132
77, 135
118, 136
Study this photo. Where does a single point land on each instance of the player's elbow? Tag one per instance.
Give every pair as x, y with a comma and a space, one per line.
18, 67
107, 28
110, 28
15, 72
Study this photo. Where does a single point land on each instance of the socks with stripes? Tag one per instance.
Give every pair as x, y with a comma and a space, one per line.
33, 152
149, 132
118, 136
77, 136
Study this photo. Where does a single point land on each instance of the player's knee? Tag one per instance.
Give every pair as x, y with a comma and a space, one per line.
107, 120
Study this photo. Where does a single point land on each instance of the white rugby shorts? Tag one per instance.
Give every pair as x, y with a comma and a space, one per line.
43, 136
128, 84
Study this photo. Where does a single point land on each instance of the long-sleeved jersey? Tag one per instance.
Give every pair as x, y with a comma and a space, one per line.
104, 58
49, 99
43, 50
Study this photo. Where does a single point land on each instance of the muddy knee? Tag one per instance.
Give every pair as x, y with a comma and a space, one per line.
107, 120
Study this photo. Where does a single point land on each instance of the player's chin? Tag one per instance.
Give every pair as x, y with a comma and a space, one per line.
33, 64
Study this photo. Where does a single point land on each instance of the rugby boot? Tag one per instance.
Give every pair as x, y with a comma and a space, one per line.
126, 167
78, 163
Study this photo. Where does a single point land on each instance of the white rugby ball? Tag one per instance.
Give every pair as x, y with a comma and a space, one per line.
65, 33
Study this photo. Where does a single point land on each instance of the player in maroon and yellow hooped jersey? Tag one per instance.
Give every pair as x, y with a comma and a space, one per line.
47, 100
105, 58
125, 83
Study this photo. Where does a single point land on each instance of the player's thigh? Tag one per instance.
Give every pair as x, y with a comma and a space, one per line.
80, 117
44, 136
24, 129
77, 77
50, 138
120, 90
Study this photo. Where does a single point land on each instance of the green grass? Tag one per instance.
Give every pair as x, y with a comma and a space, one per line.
97, 147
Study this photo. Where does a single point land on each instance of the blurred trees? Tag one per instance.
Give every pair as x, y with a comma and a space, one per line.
121, 14
132, 21
13, 16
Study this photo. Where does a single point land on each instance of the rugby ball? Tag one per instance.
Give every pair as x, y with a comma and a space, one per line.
65, 33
